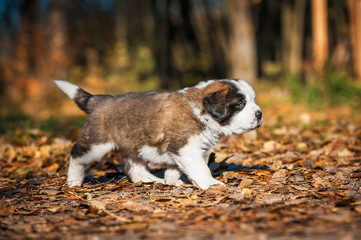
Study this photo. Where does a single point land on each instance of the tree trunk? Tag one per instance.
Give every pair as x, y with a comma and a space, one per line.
242, 48
320, 34
355, 25
292, 35
121, 22
57, 32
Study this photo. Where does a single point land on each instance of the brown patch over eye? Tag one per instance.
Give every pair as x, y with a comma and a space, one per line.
223, 103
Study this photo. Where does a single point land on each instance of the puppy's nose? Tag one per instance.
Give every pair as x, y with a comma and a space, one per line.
258, 115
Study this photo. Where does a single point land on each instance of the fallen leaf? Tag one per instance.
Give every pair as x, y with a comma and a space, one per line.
134, 226
330, 169
357, 208
21, 171
344, 152
270, 146
54, 209
301, 146
6, 212
261, 172
216, 189
50, 192
52, 168
249, 137
305, 118
271, 198
229, 174
280, 131
300, 187
339, 176
280, 174
342, 217
355, 175
296, 178
276, 165
247, 192
236, 196
98, 204
9, 153
318, 182
245, 183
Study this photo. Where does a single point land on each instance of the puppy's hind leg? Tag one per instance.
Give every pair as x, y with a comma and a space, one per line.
81, 157
137, 171
172, 176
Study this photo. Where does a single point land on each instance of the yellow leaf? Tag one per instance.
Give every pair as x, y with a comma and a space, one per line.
344, 152
52, 168
262, 172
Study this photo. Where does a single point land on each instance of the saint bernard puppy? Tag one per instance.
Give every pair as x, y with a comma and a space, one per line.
175, 129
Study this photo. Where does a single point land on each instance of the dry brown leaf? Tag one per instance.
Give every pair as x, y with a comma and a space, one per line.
357, 208
98, 204
301, 146
280, 173
270, 146
344, 152
245, 183
50, 191
216, 190
236, 196
9, 153
262, 172
271, 198
300, 187
247, 192
319, 182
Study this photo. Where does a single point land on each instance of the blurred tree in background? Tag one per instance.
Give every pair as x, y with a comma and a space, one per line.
123, 45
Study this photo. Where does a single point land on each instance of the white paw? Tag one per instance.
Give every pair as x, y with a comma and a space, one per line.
74, 183
206, 183
176, 183
146, 178
172, 177
158, 180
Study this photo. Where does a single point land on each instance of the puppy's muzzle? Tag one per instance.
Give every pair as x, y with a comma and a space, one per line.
258, 115
259, 118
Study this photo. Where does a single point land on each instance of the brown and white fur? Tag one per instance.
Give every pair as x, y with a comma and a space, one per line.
176, 129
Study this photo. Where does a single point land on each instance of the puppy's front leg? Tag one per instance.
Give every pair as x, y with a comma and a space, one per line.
197, 170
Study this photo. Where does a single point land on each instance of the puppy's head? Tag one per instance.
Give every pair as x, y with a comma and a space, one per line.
232, 104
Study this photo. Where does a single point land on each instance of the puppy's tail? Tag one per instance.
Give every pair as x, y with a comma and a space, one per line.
83, 99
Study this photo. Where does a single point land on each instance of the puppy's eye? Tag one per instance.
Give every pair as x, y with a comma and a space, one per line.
241, 104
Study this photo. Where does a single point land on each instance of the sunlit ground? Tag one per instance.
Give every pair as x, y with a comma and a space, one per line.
298, 177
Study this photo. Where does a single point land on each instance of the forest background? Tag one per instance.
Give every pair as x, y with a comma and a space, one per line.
313, 48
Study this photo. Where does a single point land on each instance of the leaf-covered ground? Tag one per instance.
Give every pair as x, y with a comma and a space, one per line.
298, 177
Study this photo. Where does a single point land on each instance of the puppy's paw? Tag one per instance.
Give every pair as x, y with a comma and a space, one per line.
206, 183
74, 183
216, 182
176, 183
172, 177
217, 187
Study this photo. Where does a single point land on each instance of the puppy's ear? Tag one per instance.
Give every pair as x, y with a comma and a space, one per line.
216, 104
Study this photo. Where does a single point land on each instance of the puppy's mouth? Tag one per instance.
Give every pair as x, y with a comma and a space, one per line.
258, 125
